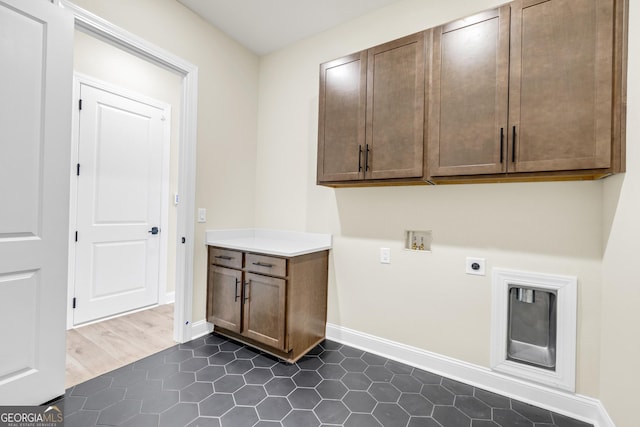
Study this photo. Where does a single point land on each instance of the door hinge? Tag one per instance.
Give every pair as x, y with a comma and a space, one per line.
79, 104
76, 235
78, 169
74, 302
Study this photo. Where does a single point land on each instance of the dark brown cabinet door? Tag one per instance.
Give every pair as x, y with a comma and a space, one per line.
469, 95
561, 84
395, 109
341, 124
224, 302
264, 310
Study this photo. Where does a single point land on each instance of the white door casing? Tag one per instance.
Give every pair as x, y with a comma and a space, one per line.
98, 27
122, 193
36, 42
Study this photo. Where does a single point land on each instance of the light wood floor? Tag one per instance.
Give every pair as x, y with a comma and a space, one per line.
98, 348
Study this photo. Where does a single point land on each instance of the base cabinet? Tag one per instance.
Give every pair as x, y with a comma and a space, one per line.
276, 304
264, 309
225, 310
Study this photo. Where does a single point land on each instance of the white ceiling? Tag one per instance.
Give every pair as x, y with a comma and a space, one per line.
265, 26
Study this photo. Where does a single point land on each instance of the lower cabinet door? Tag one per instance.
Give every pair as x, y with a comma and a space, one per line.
264, 310
224, 303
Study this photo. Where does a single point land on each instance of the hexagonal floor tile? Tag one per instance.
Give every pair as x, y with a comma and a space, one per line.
249, 395
279, 386
300, 418
304, 398
307, 379
274, 408
331, 389
359, 401
239, 416
196, 392
391, 415
415, 404
331, 412
216, 405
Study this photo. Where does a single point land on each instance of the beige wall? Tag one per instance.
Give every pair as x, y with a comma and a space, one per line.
621, 285
587, 229
424, 300
227, 111
103, 61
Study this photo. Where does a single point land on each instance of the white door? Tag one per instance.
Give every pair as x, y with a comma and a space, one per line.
121, 145
36, 53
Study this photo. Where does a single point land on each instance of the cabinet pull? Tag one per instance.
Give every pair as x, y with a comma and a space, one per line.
263, 264
501, 145
359, 158
366, 159
224, 257
513, 146
237, 296
246, 294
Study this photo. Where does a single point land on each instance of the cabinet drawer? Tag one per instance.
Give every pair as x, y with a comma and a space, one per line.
266, 265
225, 257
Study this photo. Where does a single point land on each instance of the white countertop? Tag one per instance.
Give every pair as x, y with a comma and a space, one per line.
272, 242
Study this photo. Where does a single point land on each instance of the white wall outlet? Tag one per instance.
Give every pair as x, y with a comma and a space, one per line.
385, 256
475, 266
202, 215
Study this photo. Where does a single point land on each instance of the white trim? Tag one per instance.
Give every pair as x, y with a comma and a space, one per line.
566, 299
129, 42
572, 405
168, 298
201, 328
80, 79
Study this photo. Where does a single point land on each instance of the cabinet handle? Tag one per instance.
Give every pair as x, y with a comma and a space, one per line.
246, 294
224, 257
366, 159
359, 158
513, 146
501, 145
237, 296
263, 264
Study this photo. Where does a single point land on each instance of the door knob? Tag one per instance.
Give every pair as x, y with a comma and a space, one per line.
154, 230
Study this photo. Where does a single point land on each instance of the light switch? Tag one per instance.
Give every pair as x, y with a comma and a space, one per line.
202, 215
385, 256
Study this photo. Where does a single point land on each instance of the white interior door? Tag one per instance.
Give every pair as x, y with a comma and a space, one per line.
121, 145
36, 51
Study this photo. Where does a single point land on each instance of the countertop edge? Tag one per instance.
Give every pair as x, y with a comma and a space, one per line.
269, 242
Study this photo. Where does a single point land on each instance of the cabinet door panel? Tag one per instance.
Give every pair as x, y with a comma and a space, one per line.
224, 299
342, 113
395, 109
468, 102
561, 84
264, 310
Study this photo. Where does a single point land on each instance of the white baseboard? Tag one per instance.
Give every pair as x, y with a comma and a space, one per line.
168, 298
570, 404
200, 328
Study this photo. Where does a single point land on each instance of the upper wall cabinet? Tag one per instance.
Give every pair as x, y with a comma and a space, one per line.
469, 95
530, 90
371, 115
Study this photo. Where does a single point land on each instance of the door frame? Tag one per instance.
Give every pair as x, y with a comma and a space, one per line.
100, 28
80, 79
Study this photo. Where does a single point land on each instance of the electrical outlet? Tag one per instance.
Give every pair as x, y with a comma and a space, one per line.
475, 266
385, 256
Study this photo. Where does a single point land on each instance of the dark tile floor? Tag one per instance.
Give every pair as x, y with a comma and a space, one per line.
215, 382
